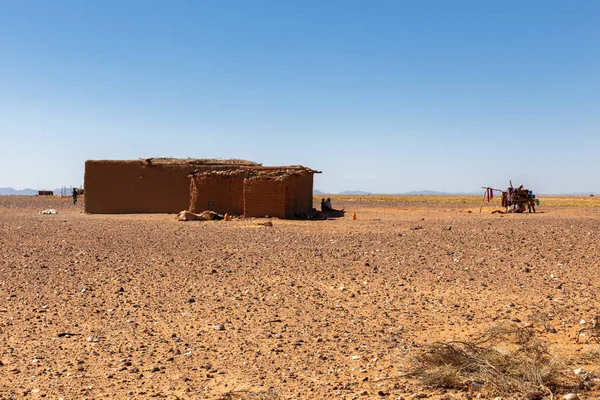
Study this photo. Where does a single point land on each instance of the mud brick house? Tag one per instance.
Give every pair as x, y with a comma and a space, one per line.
282, 192
154, 185
166, 185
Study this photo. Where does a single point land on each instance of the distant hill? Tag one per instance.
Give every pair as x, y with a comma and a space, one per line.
31, 192
14, 192
318, 192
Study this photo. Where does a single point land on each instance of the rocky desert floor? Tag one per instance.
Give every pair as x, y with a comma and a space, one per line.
145, 306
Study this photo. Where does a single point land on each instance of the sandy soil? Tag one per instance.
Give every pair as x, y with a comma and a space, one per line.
144, 306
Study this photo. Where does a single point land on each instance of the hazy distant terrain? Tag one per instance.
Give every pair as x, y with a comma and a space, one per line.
12, 192
7, 191
437, 193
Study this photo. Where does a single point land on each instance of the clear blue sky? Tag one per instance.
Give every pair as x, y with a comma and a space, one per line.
383, 96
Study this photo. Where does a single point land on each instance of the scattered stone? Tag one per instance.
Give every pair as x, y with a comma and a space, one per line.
578, 371
268, 223
535, 395
571, 396
219, 327
191, 300
155, 369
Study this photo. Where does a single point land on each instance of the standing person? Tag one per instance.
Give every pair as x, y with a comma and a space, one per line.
74, 196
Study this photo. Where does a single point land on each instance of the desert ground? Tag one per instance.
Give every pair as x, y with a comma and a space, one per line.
145, 306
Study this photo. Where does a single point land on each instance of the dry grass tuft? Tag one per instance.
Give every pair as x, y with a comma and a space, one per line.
249, 395
506, 359
592, 356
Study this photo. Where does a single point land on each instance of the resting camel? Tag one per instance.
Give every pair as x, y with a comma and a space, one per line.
203, 216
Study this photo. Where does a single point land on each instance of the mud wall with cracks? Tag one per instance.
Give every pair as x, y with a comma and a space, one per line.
222, 193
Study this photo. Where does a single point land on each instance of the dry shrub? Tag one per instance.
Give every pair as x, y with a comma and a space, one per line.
506, 359
592, 356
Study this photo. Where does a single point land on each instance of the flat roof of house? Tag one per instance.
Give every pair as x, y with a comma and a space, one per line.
215, 162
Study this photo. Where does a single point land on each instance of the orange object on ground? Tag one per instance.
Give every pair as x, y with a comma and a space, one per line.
226, 217
353, 216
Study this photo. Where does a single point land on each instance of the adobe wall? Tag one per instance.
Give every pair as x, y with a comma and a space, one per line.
299, 198
291, 197
222, 193
304, 193
264, 197
116, 187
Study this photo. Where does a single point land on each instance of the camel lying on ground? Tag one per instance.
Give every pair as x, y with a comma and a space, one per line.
203, 216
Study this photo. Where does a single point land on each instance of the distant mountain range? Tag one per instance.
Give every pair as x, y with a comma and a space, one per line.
13, 192
28, 192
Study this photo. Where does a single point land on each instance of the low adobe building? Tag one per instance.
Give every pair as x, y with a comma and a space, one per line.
166, 185
153, 185
283, 192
